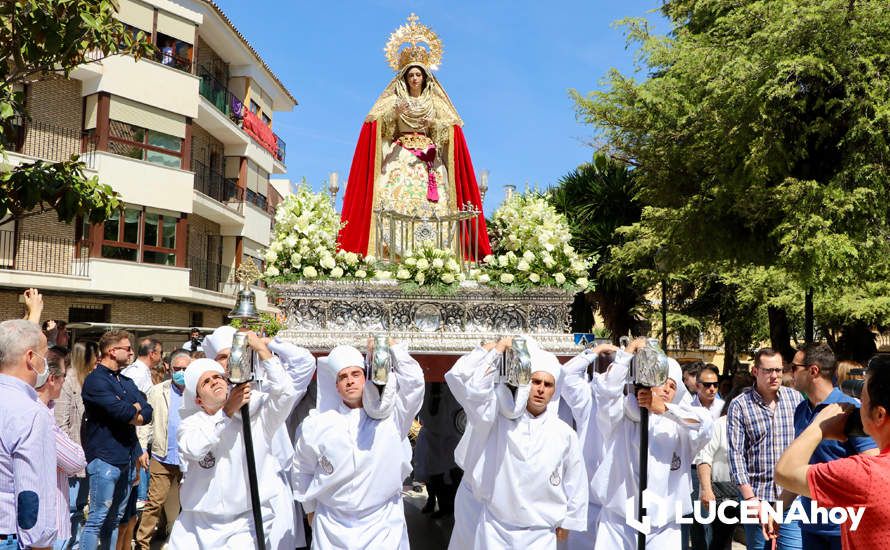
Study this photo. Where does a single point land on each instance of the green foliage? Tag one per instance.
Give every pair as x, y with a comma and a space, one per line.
46, 37
760, 141
267, 325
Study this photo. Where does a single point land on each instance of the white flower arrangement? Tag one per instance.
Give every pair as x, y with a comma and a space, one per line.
429, 266
534, 247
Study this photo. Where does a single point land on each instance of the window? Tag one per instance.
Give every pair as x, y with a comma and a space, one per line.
89, 313
140, 143
196, 318
266, 120
140, 236
254, 107
134, 34
174, 53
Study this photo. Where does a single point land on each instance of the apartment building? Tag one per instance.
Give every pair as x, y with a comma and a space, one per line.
187, 139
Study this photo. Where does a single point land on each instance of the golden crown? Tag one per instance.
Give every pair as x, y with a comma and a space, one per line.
422, 45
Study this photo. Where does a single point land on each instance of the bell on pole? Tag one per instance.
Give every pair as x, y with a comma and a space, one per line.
245, 301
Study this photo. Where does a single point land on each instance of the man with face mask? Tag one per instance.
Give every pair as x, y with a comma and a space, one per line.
164, 471
352, 454
677, 432
216, 505
27, 448
525, 483
113, 407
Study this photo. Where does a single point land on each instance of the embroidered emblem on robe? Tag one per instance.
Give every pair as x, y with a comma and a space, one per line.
555, 480
209, 461
675, 462
326, 465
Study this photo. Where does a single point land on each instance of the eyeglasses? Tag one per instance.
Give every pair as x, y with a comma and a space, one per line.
125, 348
709, 384
794, 366
770, 371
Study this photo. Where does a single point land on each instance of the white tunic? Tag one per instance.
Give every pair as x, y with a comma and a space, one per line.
675, 438
215, 497
349, 468
528, 473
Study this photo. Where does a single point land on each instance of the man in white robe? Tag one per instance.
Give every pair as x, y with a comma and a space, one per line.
216, 505
577, 392
525, 484
352, 454
299, 364
677, 432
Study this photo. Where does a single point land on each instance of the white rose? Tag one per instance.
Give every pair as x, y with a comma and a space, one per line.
270, 256
522, 265
276, 246
351, 258
511, 255
423, 264
310, 272
383, 275
290, 241
370, 260
534, 277
438, 263
582, 282
548, 262
361, 274
337, 272
567, 249
411, 261
420, 278
448, 278
506, 278
272, 271
461, 277
548, 247
528, 256
503, 261
328, 262
295, 259
489, 259
403, 274
451, 264
484, 278
560, 278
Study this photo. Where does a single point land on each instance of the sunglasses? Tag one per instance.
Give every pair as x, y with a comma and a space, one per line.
710, 384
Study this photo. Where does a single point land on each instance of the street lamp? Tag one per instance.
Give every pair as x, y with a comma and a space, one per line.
333, 186
483, 183
508, 191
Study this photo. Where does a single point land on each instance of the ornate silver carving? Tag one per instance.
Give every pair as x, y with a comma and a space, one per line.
323, 314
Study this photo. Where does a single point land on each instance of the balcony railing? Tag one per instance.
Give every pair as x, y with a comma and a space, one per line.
216, 92
218, 187
207, 275
281, 152
44, 254
170, 59
48, 142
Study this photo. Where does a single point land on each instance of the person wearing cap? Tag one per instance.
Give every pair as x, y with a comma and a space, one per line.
216, 505
299, 364
525, 483
352, 454
677, 432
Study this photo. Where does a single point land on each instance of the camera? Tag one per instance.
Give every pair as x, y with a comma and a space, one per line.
853, 388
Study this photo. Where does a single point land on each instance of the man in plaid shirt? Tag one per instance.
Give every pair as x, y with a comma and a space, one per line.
760, 426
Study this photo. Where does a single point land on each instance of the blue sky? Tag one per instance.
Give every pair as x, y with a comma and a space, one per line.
507, 67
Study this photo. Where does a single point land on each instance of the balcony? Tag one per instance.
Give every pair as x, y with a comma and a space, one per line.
218, 187
44, 254
281, 150
49, 142
216, 93
207, 275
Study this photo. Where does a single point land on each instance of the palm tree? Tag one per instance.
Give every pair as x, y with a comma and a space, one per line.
597, 198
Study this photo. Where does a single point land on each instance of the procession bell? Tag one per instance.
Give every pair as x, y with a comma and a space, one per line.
516, 367
245, 305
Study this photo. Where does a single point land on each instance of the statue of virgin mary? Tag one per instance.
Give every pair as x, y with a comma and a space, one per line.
411, 158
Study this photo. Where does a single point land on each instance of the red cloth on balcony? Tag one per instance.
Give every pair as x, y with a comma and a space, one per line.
359, 197
258, 130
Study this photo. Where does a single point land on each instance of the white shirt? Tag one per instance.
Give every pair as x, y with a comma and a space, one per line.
715, 409
140, 374
577, 393
715, 452
211, 447
528, 472
675, 437
349, 462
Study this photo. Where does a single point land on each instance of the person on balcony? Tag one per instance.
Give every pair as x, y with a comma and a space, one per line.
411, 157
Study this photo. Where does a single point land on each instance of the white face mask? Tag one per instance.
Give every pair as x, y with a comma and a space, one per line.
42, 377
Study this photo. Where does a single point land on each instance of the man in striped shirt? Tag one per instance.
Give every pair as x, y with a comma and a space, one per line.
760, 426
27, 449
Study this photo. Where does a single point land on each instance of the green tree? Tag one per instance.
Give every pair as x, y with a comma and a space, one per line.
598, 198
40, 38
760, 140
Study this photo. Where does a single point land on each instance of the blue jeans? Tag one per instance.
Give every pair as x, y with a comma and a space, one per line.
815, 541
142, 489
789, 537
109, 492
12, 543
78, 494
